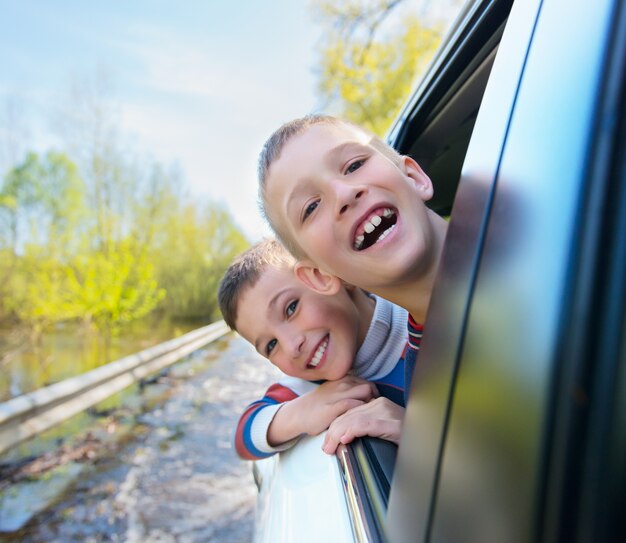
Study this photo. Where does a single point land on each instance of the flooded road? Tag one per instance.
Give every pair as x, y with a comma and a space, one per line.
28, 363
176, 478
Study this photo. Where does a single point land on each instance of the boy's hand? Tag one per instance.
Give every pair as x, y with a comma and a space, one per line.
312, 413
378, 418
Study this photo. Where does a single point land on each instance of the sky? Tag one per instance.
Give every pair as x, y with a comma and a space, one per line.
200, 84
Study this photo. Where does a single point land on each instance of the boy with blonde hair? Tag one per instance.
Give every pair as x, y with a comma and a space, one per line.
347, 205
340, 351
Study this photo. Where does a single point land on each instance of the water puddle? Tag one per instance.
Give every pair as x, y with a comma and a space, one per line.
23, 501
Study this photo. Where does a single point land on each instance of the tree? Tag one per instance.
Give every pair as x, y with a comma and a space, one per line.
14, 132
193, 248
104, 237
110, 290
87, 121
19, 194
55, 272
367, 73
43, 203
110, 278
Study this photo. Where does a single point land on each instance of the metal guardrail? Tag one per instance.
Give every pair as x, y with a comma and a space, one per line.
26, 416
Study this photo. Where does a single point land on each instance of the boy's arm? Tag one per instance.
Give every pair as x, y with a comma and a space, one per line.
252, 428
379, 418
274, 422
313, 412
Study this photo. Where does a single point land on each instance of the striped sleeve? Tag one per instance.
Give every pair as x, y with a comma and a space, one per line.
251, 432
416, 331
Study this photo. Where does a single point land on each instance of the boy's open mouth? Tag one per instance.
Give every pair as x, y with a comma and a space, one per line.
319, 353
375, 228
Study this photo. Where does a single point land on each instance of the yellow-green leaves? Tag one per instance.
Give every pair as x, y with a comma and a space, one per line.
367, 69
72, 252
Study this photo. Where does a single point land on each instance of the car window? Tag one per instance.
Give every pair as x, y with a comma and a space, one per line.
436, 128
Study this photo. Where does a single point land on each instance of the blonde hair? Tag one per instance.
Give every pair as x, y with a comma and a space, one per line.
271, 152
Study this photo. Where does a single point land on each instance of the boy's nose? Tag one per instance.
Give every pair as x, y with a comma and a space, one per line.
347, 195
295, 343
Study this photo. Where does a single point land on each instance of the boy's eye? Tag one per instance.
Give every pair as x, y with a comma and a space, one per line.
310, 209
270, 346
291, 308
354, 166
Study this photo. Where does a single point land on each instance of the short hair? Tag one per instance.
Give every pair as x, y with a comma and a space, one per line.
271, 152
245, 271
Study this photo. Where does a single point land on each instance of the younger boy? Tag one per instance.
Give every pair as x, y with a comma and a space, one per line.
348, 205
338, 339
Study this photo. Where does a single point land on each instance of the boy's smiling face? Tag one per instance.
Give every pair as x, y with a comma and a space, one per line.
305, 334
353, 210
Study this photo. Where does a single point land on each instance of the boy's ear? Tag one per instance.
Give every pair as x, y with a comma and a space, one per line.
422, 181
317, 279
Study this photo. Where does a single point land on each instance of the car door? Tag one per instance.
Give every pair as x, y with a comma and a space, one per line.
502, 438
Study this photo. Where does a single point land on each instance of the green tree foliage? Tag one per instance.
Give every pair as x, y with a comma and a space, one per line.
369, 62
194, 247
38, 295
97, 235
69, 257
53, 271
111, 289
41, 205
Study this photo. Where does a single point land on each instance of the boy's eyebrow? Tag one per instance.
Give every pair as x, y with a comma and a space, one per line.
274, 299
331, 153
337, 150
292, 196
270, 308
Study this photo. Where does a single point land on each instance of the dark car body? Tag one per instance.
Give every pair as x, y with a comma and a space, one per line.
516, 424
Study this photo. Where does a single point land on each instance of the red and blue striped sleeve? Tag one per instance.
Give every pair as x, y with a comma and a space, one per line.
247, 443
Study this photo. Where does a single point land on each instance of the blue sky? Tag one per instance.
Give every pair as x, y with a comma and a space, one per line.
200, 83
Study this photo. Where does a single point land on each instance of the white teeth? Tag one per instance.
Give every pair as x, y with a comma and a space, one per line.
371, 225
385, 233
318, 354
